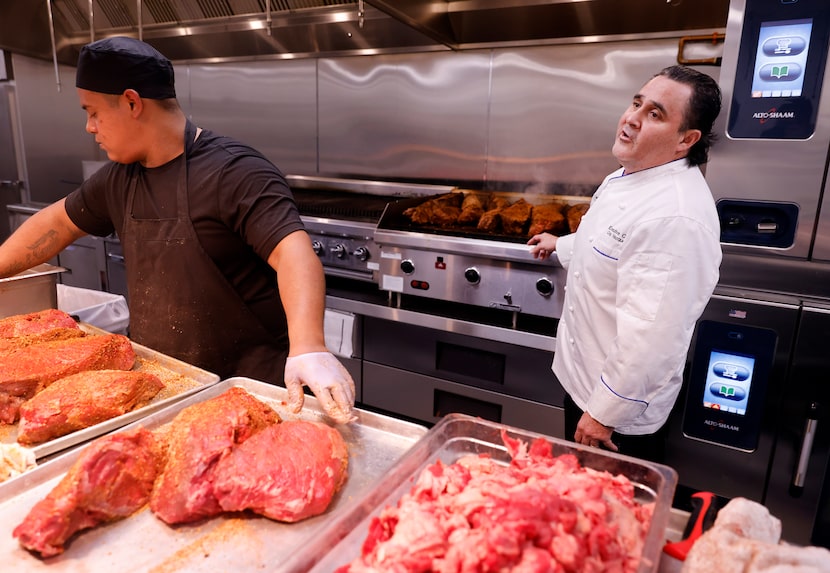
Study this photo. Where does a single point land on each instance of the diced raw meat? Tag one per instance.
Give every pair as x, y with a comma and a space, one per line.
27, 370
287, 472
198, 437
540, 513
111, 479
35, 323
82, 400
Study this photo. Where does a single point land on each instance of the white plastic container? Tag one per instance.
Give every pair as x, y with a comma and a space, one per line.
105, 310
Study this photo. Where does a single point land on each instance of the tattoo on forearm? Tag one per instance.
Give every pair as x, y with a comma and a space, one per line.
37, 252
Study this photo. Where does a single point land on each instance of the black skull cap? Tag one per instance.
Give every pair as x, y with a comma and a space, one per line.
115, 64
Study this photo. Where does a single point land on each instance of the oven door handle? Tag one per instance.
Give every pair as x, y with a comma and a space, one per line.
810, 427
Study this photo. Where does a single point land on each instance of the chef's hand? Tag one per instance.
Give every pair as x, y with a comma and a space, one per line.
328, 379
590, 432
542, 245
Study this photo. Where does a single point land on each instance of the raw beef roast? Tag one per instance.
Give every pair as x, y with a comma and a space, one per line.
287, 472
35, 323
198, 437
61, 333
112, 479
82, 400
540, 513
27, 370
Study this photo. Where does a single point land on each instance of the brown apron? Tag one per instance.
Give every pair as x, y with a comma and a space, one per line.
180, 302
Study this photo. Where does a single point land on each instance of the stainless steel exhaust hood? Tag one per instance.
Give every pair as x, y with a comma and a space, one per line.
222, 30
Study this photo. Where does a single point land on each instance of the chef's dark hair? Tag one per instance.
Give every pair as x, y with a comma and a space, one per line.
704, 107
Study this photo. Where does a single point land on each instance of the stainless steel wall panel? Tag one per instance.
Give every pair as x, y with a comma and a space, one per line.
821, 247
53, 127
270, 106
554, 110
418, 116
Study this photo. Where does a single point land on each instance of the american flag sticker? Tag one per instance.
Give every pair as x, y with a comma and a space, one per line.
737, 313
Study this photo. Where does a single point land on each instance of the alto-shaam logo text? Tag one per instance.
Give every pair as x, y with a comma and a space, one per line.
764, 116
722, 425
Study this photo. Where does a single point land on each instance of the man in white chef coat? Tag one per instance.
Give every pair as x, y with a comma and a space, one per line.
640, 269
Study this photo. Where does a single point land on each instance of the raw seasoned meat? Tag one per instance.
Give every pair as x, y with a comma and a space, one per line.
82, 400
112, 479
59, 333
547, 218
198, 437
515, 219
540, 513
35, 323
287, 472
27, 370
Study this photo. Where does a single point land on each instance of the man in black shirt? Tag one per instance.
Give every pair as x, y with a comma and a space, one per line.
220, 270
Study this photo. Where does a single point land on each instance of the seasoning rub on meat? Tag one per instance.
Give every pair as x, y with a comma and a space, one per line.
28, 369
82, 400
539, 513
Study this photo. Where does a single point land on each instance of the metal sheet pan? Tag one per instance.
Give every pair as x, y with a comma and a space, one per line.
457, 435
180, 379
232, 542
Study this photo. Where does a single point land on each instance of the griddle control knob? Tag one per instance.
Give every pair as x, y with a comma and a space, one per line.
407, 266
544, 286
339, 251
472, 275
362, 253
318, 247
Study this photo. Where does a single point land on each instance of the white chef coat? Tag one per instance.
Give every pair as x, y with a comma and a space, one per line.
640, 270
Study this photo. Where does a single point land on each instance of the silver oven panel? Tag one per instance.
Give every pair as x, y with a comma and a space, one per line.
507, 285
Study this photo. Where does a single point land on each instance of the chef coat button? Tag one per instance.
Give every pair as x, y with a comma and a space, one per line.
576, 274
571, 308
590, 238
571, 340
622, 205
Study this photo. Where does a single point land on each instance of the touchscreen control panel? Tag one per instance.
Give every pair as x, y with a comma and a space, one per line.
781, 63
728, 383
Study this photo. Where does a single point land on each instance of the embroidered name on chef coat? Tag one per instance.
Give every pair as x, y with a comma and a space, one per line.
615, 234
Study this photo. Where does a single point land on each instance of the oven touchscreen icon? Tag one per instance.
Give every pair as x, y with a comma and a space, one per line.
728, 382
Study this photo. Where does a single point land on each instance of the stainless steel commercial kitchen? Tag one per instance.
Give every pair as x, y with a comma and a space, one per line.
370, 103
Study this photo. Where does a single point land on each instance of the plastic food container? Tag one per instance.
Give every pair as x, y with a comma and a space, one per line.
457, 435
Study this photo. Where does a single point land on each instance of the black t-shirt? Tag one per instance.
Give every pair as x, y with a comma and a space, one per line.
240, 205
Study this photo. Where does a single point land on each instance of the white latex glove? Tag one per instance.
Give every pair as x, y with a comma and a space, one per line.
328, 379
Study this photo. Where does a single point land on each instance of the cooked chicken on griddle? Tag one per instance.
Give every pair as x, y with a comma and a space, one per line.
574, 215
548, 218
441, 211
515, 219
472, 208
490, 220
